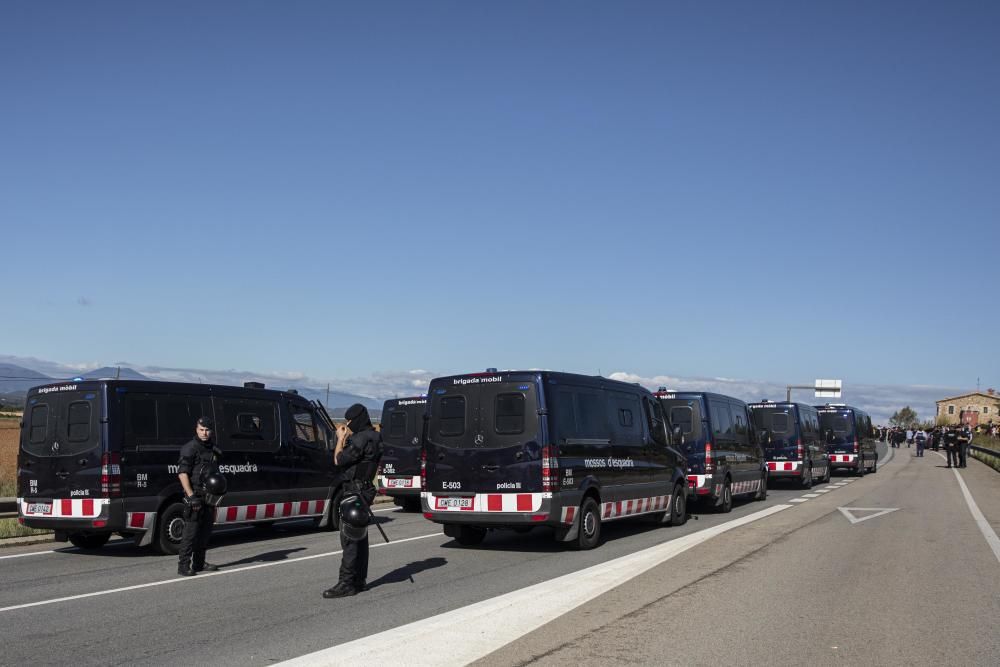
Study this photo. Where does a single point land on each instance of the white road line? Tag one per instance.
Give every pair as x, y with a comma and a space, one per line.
799, 500
888, 456
201, 576
810, 495
984, 526
462, 635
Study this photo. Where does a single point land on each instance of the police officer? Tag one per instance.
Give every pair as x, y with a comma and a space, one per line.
358, 452
951, 445
198, 462
964, 439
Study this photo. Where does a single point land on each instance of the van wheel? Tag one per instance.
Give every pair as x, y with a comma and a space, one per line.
678, 507
829, 472
874, 468
762, 491
169, 529
807, 476
860, 472
470, 536
589, 533
89, 540
725, 505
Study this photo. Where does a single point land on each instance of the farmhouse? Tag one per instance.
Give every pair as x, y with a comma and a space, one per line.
972, 409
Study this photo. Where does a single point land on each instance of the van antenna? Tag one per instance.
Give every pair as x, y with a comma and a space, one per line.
118, 372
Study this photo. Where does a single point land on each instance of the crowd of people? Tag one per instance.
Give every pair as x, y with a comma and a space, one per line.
955, 440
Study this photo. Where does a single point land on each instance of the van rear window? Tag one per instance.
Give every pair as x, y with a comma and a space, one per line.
397, 424
509, 414
78, 423
62, 424
834, 422
452, 420
501, 414
39, 424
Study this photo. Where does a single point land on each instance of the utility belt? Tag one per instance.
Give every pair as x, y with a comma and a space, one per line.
363, 488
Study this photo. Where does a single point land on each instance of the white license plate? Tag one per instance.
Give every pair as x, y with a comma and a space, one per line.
454, 502
39, 508
400, 483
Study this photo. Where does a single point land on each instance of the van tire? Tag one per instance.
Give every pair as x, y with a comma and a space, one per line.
807, 476
829, 472
874, 468
860, 472
169, 529
589, 533
470, 536
89, 540
678, 507
725, 505
762, 491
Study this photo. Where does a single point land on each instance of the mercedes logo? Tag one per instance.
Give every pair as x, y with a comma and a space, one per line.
55, 446
416, 440
480, 439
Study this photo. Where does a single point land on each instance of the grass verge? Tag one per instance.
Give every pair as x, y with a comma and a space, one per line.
11, 528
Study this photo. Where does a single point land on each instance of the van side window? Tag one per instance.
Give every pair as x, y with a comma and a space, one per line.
78, 423
452, 416
624, 417
508, 410
591, 415
303, 427
246, 425
39, 424
142, 418
722, 423
397, 424
563, 417
178, 417
740, 430
657, 425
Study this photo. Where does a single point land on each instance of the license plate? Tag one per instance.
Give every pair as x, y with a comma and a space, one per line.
39, 508
443, 503
396, 483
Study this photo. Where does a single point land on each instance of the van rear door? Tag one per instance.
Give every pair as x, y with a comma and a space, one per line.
837, 426
60, 452
782, 434
484, 435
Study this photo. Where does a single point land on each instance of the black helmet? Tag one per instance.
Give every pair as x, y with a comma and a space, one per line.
353, 517
215, 488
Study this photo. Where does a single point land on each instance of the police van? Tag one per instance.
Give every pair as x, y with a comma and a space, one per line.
850, 438
724, 458
792, 442
518, 449
101, 457
402, 429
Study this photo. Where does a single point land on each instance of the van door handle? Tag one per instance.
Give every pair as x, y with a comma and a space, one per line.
82, 462
62, 474
491, 468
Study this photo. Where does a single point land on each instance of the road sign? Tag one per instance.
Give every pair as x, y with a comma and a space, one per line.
828, 388
851, 513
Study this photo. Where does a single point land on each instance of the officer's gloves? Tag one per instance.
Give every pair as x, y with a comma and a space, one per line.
194, 502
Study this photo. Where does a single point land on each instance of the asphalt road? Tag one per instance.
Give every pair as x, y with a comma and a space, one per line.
919, 585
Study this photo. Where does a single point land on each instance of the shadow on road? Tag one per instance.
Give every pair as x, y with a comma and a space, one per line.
406, 572
268, 557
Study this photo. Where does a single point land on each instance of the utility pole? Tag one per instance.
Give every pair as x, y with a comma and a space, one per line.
328, 393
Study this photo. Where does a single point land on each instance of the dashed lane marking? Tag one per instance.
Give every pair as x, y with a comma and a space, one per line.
811, 495
799, 500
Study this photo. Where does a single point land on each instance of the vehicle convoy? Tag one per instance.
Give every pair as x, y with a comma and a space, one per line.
849, 436
402, 429
101, 457
724, 458
518, 449
792, 441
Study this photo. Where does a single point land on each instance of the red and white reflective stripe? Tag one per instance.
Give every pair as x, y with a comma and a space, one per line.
699, 481
390, 482
568, 514
268, 511
843, 458
783, 466
69, 508
619, 509
140, 520
492, 502
749, 486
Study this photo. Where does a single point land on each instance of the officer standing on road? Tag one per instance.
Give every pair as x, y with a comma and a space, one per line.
358, 452
964, 439
951, 445
197, 464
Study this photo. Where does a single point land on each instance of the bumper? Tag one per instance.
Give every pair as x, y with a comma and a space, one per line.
700, 486
784, 468
494, 509
844, 460
71, 514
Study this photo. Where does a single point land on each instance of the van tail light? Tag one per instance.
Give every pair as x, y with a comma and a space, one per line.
111, 475
798, 450
423, 469
550, 469
708, 458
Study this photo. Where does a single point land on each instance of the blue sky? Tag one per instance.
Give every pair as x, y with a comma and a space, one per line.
763, 191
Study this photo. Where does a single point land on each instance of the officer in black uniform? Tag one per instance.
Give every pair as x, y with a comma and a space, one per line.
198, 462
951, 445
358, 452
964, 440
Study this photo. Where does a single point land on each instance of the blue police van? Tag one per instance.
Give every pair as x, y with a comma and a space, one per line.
519, 449
850, 438
724, 457
402, 430
792, 441
99, 457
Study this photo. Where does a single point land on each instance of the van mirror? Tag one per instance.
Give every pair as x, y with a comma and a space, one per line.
678, 435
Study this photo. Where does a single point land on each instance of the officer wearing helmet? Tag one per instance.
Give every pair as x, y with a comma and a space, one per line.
198, 472
358, 452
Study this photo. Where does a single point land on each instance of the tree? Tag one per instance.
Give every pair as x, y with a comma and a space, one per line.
905, 418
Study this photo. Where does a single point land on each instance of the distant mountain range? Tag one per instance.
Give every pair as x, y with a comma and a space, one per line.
15, 381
